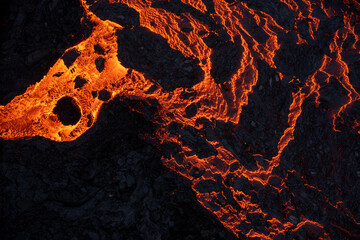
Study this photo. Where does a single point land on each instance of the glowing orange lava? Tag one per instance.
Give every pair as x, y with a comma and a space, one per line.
31, 114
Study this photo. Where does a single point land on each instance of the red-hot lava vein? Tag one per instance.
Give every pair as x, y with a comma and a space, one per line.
207, 65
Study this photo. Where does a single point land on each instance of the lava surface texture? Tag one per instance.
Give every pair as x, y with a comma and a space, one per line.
180, 119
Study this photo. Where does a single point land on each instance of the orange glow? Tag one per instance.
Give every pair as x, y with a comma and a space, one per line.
31, 114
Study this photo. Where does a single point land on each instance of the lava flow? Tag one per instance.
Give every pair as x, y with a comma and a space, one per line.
204, 63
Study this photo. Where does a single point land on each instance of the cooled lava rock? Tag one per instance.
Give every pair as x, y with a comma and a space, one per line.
111, 182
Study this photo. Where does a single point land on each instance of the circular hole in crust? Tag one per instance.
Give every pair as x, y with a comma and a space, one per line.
67, 111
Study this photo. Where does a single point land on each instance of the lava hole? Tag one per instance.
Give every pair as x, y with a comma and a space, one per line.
67, 111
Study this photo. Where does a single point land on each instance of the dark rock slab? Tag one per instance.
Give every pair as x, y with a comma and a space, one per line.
147, 52
349, 117
191, 110
70, 57
191, 138
67, 111
99, 186
225, 59
116, 12
104, 95
276, 9
100, 64
179, 8
33, 36
333, 95
79, 82
98, 49
207, 186
297, 60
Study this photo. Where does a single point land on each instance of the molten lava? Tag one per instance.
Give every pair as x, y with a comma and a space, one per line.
101, 67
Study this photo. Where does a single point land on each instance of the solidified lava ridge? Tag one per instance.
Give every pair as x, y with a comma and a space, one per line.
208, 67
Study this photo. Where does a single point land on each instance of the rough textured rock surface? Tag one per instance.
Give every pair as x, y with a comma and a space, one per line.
33, 36
111, 182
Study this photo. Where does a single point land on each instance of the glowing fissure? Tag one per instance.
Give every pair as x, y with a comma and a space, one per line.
31, 114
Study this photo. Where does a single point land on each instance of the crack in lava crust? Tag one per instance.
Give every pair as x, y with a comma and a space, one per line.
209, 89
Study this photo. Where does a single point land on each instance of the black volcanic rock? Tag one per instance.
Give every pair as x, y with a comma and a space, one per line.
314, 158
354, 75
191, 138
116, 12
67, 111
326, 32
333, 95
58, 74
191, 110
70, 57
79, 82
99, 186
225, 59
271, 99
33, 36
98, 49
207, 186
330, 25
147, 52
277, 9
297, 60
100, 64
179, 8
349, 117
104, 95
111, 182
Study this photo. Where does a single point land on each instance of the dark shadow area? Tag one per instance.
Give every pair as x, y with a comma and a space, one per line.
70, 57
67, 111
178, 7
354, 75
116, 12
349, 118
262, 121
297, 60
104, 95
333, 96
147, 52
108, 184
79, 82
276, 9
100, 64
111, 183
225, 59
321, 171
33, 36
191, 138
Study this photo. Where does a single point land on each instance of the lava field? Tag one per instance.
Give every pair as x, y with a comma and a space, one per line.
180, 119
